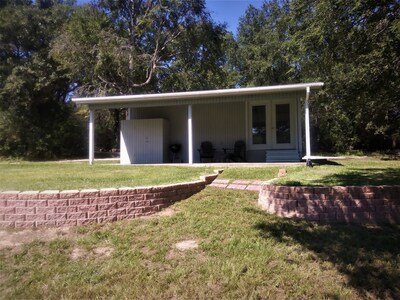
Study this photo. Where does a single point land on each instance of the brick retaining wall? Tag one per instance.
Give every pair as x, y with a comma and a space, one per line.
357, 204
74, 207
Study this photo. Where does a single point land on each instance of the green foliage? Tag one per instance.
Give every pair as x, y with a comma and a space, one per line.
131, 47
107, 128
127, 47
200, 62
352, 46
35, 120
262, 37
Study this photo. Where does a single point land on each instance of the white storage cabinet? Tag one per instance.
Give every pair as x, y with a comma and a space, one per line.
144, 141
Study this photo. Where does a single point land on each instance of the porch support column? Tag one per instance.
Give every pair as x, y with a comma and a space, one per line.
91, 136
307, 128
190, 135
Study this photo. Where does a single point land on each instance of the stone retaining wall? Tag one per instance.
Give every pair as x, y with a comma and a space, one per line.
366, 204
74, 207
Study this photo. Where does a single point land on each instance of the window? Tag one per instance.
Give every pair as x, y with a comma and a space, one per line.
258, 128
282, 123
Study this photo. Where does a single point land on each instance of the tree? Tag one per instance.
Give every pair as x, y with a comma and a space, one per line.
199, 62
128, 47
132, 47
35, 119
262, 37
352, 46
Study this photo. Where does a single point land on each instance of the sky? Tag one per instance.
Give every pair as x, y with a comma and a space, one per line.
230, 11
224, 11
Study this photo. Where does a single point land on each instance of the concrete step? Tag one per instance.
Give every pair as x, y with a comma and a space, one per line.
284, 155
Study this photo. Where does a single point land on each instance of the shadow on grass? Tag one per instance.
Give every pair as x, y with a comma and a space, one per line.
255, 211
369, 256
325, 162
293, 183
370, 176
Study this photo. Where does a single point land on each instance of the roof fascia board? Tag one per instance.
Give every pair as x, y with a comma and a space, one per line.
214, 100
192, 97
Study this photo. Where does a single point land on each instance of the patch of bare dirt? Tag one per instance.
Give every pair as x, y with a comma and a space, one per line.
105, 251
98, 252
167, 212
156, 266
182, 249
78, 253
187, 245
216, 288
16, 238
148, 251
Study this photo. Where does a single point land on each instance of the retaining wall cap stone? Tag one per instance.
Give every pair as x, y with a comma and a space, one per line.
28, 195
105, 190
143, 188
50, 192
205, 177
30, 192
182, 184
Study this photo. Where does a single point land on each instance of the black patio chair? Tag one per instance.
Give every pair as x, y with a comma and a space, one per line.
206, 151
237, 154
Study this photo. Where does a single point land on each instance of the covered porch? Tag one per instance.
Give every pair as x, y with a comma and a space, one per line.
271, 121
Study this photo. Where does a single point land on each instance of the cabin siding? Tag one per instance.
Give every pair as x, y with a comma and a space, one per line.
222, 124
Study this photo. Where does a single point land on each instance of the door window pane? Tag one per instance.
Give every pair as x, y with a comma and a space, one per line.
259, 125
282, 123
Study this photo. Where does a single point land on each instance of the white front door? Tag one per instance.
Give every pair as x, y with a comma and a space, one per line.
272, 124
283, 124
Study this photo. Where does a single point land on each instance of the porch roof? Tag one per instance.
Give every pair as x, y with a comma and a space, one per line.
191, 97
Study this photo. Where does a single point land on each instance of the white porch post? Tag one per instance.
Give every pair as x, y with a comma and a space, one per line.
307, 126
190, 135
91, 136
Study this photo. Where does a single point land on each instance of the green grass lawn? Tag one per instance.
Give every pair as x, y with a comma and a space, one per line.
243, 254
366, 171
22, 176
